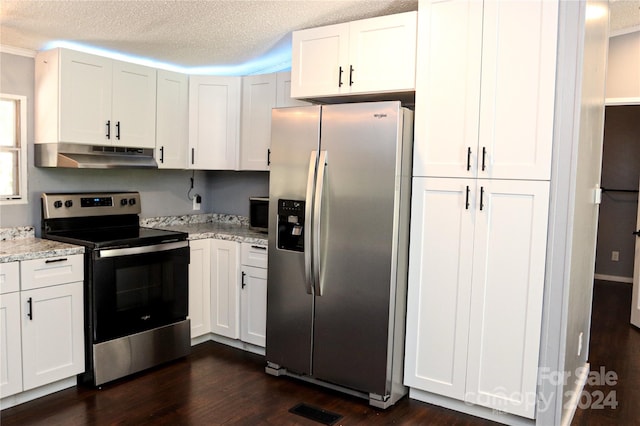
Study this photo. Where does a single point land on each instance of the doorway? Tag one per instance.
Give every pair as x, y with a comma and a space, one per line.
615, 250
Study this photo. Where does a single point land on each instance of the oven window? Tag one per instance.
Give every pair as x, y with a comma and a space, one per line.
136, 293
138, 286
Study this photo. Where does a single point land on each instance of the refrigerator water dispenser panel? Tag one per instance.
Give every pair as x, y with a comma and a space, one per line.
290, 225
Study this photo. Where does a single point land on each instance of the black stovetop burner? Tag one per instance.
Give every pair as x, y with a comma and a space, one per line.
120, 237
99, 220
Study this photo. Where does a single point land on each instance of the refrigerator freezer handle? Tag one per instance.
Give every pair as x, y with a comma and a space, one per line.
308, 212
317, 212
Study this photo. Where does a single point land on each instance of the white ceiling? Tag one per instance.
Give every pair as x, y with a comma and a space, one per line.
201, 33
185, 33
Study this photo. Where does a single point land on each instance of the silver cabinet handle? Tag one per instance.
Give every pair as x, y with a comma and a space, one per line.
308, 220
317, 212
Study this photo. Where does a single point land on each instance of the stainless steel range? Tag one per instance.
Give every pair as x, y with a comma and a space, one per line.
136, 282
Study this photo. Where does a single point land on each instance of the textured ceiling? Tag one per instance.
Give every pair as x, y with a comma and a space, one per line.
200, 33
185, 33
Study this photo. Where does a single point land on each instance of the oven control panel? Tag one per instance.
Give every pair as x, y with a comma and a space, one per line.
66, 205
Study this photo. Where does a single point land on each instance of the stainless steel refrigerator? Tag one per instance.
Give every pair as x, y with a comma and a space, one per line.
339, 192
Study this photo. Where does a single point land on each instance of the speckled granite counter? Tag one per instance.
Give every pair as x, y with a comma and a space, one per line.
20, 244
35, 248
221, 227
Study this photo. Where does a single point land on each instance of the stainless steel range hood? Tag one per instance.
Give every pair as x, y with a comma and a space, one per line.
76, 156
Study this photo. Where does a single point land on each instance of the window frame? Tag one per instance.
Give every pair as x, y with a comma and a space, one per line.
21, 134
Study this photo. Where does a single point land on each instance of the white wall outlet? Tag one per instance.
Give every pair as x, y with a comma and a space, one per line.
196, 202
615, 256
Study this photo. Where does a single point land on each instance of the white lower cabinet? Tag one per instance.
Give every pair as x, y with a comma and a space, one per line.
42, 324
10, 346
200, 287
228, 292
225, 293
52, 326
253, 299
476, 277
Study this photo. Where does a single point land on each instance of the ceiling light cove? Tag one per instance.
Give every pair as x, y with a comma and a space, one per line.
277, 59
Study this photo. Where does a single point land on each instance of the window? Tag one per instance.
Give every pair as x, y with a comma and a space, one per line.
13, 149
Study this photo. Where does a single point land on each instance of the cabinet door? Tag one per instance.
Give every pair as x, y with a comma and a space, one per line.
382, 54
506, 306
52, 334
225, 294
214, 112
133, 105
10, 347
172, 120
84, 97
200, 287
283, 87
447, 114
518, 88
320, 61
258, 98
9, 277
253, 305
440, 266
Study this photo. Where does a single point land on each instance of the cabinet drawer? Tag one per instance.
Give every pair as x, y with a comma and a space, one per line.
9, 277
254, 255
39, 273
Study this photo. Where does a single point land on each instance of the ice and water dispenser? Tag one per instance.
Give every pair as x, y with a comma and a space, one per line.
291, 225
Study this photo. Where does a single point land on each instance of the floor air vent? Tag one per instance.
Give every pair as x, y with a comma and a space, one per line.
316, 414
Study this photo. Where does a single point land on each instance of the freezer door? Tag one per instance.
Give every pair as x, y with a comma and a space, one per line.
357, 236
295, 134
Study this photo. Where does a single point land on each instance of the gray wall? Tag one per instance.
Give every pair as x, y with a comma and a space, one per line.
163, 192
620, 170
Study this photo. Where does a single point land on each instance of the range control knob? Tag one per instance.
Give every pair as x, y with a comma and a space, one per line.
123, 202
57, 204
68, 203
132, 201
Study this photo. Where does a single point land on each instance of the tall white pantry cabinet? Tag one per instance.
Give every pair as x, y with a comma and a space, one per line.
482, 159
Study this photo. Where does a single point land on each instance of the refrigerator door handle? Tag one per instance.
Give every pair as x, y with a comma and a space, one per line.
308, 220
317, 213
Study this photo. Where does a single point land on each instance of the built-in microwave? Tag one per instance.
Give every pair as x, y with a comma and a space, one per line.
259, 213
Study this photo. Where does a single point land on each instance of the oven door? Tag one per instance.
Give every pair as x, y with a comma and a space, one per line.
139, 288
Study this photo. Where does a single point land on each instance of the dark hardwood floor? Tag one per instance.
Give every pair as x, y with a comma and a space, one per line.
614, 347
218, 385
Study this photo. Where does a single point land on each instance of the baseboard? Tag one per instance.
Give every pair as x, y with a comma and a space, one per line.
614, 278
572, 404
471, 409
30, 395
238, 344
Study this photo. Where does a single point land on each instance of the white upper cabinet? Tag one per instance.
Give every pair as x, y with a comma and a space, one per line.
172, 120
214, 126
89, 99
73, 97
360, 57
318, 61
133, 105
496, 126
283, 95
259, 94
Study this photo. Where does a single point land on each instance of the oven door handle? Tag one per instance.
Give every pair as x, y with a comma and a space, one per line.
141, 250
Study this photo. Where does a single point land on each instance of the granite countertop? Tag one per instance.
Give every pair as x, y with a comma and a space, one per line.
35, 248
20, 244
220, 231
